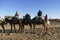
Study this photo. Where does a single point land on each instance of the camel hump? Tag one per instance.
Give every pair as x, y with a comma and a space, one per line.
9, 17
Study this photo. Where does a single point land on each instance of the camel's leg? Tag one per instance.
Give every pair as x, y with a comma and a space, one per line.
14, 28
11, 27
33, 27
45, 27
30, 27
3, 27
20, 27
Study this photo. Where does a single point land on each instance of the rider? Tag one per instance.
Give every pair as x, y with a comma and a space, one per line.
27, 16
39, 15
46, 17
17, 15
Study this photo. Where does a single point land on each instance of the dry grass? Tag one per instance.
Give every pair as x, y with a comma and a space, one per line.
38, 34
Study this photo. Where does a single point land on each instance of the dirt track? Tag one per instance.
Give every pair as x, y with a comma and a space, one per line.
38, 34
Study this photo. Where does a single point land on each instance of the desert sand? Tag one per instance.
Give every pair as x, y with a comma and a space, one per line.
38, 34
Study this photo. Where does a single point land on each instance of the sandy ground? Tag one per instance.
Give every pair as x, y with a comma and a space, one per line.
52, 34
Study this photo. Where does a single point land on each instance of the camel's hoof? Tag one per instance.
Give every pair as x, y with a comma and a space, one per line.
8, 33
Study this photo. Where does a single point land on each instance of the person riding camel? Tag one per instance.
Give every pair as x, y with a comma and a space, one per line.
46, 20
27, 16
39, 15
17, 15
46, 17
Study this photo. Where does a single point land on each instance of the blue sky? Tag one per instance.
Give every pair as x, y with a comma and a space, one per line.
50, 7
